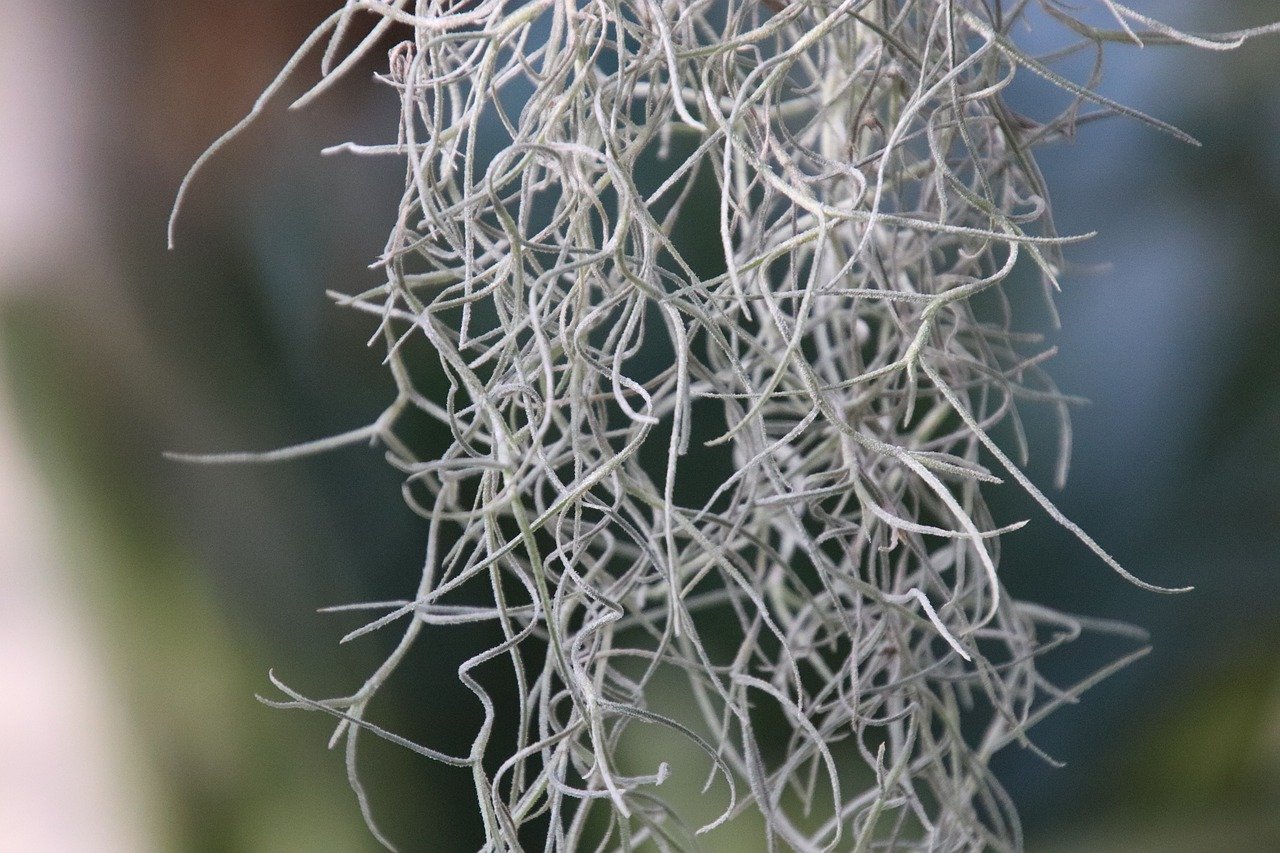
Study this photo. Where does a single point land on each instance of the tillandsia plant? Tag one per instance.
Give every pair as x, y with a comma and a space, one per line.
842, 579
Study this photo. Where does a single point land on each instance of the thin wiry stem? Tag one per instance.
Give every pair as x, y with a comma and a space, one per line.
871, 183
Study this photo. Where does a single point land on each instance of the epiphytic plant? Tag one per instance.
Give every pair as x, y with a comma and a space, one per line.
871, 182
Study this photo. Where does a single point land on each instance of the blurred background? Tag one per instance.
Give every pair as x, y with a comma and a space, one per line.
142, 602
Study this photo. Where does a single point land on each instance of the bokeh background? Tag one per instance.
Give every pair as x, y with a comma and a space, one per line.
142, 602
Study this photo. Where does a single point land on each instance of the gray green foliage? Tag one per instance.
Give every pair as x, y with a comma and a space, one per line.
842, 579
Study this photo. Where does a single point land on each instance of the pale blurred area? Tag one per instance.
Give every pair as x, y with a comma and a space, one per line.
142, 603
73, 776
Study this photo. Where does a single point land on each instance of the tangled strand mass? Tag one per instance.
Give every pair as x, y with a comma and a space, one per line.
842, 578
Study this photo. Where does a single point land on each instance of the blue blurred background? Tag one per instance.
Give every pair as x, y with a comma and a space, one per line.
142, 602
